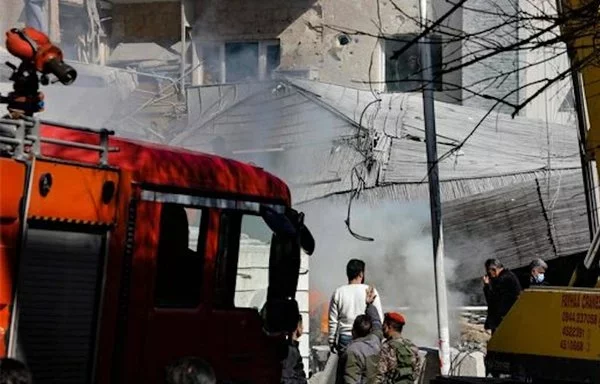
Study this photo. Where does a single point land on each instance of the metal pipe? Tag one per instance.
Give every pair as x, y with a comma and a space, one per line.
258, 150
434, 198
91, 147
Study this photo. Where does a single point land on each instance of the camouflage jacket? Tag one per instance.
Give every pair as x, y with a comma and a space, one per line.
399, 362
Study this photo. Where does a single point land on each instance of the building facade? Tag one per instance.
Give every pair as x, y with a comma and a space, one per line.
350, 43
343, 42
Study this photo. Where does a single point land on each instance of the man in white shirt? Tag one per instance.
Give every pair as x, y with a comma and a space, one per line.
347, 302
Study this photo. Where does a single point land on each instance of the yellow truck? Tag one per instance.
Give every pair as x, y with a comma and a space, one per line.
552, 334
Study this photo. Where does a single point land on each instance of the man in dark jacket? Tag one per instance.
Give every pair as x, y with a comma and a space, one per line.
360, 365
501, 288
536, 276
293, 367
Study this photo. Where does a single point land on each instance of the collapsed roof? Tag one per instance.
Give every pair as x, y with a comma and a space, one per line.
500, 185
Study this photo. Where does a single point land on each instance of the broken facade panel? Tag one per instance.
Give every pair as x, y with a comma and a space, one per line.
487, 193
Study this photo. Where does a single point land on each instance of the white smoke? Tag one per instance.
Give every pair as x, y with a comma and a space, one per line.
399, 263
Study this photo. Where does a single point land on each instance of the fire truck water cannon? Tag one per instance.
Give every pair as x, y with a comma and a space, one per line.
39, 59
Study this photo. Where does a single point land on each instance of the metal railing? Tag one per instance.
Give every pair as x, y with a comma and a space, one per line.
21, 139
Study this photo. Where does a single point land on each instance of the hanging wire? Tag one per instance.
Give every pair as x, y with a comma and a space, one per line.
355, 193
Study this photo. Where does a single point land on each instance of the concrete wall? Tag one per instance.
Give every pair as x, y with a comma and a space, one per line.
11, 15
146, 22
506, 62
308, 32
242, 20
530, 66
549, 104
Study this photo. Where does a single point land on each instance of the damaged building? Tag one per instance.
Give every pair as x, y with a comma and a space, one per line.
319, 96
231, 41
507, 191
524, 197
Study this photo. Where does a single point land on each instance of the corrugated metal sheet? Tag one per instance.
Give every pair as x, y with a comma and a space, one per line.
500, 146
450, 189
538, 218
514, 220
307, 131
309, 128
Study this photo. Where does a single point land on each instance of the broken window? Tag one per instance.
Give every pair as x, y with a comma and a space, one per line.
273, 55
403, 70
232, 62
211, 64
241, 62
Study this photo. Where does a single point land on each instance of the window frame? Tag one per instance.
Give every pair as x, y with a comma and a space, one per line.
228, 257
219, 205
262, 58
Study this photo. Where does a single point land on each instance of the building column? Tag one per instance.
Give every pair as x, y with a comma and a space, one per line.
54, 20
197, 66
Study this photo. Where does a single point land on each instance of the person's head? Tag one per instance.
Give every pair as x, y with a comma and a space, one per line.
355, 270
299, 329
14, 372
362, 326
493, 267
393, 323
190, 370
537, 269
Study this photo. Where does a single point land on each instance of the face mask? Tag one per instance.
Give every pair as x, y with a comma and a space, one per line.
539, 278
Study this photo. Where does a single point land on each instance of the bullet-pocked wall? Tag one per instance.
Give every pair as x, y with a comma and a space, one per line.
336, 41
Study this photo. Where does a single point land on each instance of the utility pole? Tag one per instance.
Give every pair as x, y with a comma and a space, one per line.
434, 197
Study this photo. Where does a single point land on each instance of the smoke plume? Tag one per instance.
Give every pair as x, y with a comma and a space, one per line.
399, 263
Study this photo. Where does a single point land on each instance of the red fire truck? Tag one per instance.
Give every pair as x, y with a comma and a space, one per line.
97, 282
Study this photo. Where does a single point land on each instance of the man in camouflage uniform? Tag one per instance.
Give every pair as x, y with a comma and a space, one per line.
399, 361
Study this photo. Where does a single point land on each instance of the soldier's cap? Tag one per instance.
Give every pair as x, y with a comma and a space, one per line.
395, 317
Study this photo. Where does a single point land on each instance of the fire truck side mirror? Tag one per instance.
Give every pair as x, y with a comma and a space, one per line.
307, 241
278, 223
290, 224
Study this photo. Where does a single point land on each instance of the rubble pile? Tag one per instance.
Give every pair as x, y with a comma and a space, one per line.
473, 336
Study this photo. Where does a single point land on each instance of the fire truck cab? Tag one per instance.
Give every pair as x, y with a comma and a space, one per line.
98, 283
